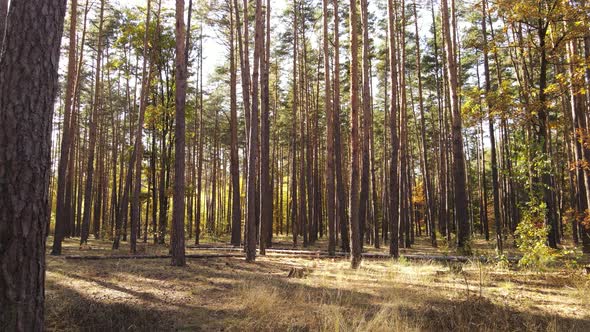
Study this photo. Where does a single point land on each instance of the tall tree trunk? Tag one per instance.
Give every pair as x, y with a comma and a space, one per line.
74, 149
341, 215
459, 176
154, 181
76, 231
163, 196
483, 186
266, 91
28, 87
581, 153
191, 159
243, 46
366, 124
488, 87
135, 160
375, 213
212, 212
266, 203
235, 162
253, 141
384, 168
3, 19
294, 207
177, 238
393, 115
427, 180
330, 184
543, 138
201, 138
442, 192
404, 144
318, 212
99, 184
355, 246
94, 117
64, 154
137, 156
302, 94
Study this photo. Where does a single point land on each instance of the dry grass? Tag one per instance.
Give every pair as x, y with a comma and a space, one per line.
228, 294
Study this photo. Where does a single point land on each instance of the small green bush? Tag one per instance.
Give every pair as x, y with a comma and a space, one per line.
531, 237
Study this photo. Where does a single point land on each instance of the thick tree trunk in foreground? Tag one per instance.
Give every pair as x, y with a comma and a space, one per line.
177, 238
28, 86
3, 19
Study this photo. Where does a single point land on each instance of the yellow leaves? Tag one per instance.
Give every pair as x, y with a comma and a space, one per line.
539, 12
583, 137
553, 88
524, 8
560, 77
116, 63
586, 221
153, 115
579, 164
471, 108
418, 194
514, 10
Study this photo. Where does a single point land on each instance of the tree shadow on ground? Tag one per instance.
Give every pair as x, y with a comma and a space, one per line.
229, 295
69, 310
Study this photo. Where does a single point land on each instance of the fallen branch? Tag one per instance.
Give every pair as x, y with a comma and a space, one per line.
105, 257
340, 254
460, 259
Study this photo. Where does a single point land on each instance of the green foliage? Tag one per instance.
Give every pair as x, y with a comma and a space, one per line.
502, 262
466, 249
471, 108
531, 237
442, 242
402, 260
572, 258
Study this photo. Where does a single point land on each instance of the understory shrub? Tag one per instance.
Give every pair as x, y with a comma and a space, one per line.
531, 237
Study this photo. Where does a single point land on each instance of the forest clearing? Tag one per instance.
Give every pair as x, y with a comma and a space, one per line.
214, 294
294, 165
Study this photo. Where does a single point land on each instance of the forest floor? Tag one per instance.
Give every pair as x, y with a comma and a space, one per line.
226, 293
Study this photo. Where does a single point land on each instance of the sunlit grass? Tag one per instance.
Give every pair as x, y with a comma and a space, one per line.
382, 295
